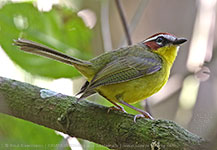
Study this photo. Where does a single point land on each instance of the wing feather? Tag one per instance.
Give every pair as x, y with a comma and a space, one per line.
125, 69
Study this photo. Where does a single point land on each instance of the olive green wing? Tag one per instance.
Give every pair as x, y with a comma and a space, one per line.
125, 69
122, 69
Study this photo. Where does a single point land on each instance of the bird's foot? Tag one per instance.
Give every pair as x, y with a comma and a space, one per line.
116, 108
143, 115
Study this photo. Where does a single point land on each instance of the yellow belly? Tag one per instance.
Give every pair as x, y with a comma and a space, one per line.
135, 90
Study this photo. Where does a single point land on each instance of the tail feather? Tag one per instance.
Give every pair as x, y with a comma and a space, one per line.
83, 88
85, 91
35, 48
86, 94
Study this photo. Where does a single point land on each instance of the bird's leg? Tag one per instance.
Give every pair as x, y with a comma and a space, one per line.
116, 107
147, 107
143, 113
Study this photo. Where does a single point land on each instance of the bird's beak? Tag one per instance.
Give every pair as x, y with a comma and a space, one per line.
179, 41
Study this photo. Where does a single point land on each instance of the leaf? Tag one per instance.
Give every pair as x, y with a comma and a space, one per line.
20, 134
59, 28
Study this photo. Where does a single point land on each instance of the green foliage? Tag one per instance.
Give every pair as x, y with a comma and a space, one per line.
18, 134
59, 28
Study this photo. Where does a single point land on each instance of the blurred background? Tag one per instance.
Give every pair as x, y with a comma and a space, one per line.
85, 29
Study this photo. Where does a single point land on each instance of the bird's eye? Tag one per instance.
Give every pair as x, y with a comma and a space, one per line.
160, 41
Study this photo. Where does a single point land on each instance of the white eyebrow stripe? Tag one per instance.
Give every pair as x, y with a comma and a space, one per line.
168, 37
153, 38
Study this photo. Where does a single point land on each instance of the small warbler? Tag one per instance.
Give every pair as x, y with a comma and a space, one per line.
125, 75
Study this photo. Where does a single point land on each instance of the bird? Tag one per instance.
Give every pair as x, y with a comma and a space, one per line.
122, 76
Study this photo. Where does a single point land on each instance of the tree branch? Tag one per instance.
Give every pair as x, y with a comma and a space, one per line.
90, 121
124, 22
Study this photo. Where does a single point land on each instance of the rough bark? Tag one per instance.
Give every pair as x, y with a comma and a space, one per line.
90, 121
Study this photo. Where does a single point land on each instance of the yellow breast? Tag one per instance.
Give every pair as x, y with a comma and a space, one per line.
141, 88
135, 90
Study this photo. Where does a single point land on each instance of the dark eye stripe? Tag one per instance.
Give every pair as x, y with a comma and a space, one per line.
154, 42
165, 36
161, 41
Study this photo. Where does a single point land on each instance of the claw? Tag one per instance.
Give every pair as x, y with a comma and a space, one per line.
138, 116
143, 115
116, 108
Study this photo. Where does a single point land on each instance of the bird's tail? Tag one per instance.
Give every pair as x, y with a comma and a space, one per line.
35, 48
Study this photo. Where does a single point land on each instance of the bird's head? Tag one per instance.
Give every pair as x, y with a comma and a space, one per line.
164, 44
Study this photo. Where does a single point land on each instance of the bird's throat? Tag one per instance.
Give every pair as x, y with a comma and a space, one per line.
169, 53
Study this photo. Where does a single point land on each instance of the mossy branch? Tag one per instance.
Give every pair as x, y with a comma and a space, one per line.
90, 121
